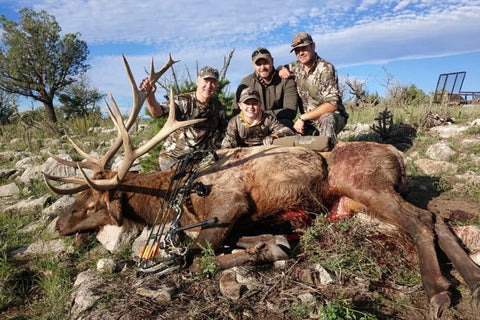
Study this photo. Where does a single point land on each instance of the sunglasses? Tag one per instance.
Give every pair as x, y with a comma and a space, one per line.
249, 92
260, 51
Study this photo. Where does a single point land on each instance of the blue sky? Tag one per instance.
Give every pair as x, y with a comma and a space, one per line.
412, 40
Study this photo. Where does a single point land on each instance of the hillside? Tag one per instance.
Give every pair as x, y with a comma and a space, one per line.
355, 268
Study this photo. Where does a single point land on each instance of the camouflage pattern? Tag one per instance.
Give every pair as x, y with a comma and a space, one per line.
318, 86
241, 134
301, 39
198, 136
329, 125
208, 73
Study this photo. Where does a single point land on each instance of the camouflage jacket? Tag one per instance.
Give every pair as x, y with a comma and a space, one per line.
198, 136
241, 134
317, 86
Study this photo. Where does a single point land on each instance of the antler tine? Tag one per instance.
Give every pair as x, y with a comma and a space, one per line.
75, 164
82, 185
154, 76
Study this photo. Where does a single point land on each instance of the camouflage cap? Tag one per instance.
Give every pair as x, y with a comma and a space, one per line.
301, 39
249, 93
208, 73
260, 53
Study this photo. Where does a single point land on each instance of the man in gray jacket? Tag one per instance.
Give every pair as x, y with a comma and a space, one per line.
278, 96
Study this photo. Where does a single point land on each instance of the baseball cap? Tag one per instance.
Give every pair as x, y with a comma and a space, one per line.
249, 93
208, 72
260, 53
301, 39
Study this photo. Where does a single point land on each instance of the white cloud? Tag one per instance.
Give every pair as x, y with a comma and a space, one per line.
347, 33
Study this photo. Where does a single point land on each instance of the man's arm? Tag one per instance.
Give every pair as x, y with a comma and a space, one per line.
230, 138
317, 113
153, 107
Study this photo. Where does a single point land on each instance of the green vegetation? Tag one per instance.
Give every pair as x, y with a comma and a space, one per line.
349, 248
206, 262
37, 62
334, 311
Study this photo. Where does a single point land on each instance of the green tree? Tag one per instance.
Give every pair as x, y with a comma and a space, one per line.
35, 61
7, 106
79, 100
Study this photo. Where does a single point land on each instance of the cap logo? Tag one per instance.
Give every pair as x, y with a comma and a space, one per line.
260, 51
208, 72
300, 41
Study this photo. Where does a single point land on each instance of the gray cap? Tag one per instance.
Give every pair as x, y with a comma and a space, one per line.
208, 73
301, 39
260, 53
249, 93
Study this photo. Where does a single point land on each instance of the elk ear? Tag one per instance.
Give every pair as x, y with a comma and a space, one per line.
114, 207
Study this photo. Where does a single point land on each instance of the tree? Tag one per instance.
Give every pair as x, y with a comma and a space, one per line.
7, 106
79, 100
35, 61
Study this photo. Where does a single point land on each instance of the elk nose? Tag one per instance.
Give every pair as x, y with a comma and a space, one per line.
57, 226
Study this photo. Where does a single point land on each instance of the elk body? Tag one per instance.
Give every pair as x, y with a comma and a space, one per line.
252, 185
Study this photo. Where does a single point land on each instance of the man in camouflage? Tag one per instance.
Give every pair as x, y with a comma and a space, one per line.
317, 85
199, 104
253, 127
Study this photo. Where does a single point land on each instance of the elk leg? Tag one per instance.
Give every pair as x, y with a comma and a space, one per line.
264, 249
468, 269
392, 208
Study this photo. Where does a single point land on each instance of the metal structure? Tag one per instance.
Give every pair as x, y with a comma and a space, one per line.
449, 90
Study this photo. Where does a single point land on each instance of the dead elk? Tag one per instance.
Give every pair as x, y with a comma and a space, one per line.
252, 185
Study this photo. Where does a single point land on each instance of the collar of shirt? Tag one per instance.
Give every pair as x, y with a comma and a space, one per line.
262, 82
255, 122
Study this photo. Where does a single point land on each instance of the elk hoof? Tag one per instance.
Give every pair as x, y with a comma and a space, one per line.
439, 303
277, 252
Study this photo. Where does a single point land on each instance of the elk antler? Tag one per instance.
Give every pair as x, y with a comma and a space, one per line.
130, 153
139, 97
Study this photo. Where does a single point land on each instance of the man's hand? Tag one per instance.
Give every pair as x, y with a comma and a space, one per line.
147, 86
299, 126
284, 73
268, 140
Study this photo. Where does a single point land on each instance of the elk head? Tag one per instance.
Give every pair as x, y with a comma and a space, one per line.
99, 202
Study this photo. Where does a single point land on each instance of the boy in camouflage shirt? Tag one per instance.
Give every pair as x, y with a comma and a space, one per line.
194, 105
252, 126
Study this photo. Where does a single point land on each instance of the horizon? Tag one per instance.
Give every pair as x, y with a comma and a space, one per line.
411, 41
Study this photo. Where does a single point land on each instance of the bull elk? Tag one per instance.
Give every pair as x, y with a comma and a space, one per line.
252, 185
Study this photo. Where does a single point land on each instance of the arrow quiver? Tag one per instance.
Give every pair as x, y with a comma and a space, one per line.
165, 249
